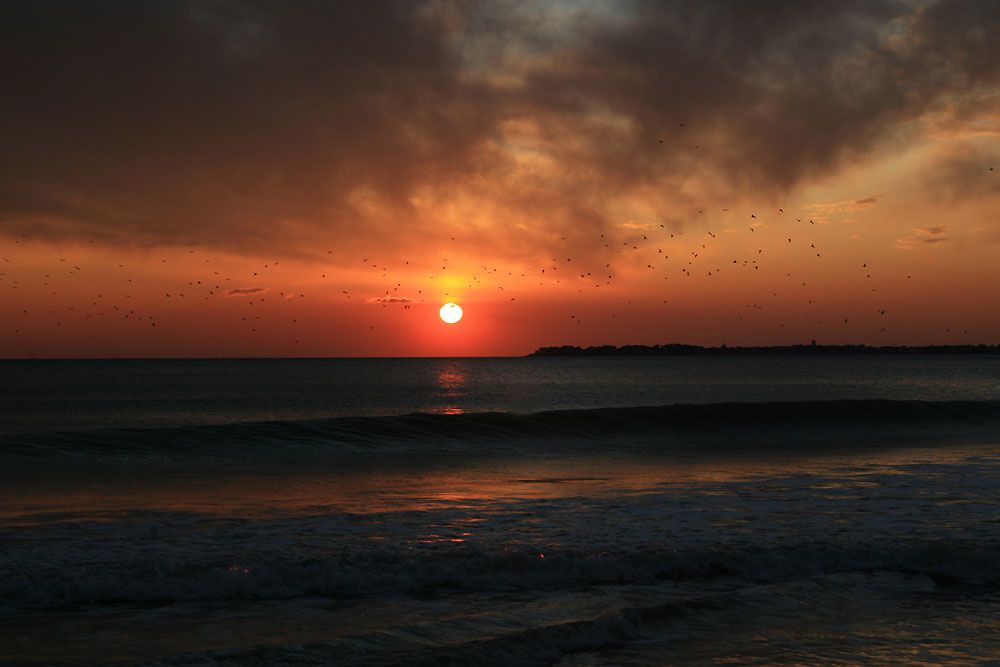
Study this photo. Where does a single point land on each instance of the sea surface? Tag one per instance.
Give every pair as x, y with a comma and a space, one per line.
514, 511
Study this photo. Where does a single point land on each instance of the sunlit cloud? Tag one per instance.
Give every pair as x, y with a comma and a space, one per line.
389, 299
821, 210
246, 291
923, 235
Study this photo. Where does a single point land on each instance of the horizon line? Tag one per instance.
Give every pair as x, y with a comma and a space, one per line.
532, 354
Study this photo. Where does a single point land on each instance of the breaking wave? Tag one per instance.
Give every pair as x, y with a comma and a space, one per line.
792, 423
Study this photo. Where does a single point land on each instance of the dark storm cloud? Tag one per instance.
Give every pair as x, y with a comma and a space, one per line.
772, 92
180, 121
270, 125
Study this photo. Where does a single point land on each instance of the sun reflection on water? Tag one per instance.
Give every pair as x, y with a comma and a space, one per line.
450, 382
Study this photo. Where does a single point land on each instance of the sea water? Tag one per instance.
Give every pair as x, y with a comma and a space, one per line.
576, 511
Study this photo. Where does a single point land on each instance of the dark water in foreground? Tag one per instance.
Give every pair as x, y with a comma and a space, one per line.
774, 510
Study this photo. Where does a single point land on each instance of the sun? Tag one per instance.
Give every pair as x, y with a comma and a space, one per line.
451, 313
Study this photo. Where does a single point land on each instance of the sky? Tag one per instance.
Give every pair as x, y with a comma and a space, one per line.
240, 178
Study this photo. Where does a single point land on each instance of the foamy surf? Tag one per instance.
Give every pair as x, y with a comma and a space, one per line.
687, 569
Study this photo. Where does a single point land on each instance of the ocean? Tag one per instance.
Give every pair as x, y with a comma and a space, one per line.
509, 511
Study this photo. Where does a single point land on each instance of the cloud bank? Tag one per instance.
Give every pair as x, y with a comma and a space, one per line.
252, 125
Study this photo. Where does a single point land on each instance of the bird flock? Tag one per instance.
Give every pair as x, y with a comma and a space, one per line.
605, 262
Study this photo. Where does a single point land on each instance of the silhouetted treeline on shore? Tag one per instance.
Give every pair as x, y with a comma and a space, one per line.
677, 349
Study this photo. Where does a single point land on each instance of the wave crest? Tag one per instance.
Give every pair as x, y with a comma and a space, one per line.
796, 423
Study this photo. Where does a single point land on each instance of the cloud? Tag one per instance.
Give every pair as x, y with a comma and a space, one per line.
919, 235
244, 291
255, 126
960, 172
845, 206
226, 123
389, 299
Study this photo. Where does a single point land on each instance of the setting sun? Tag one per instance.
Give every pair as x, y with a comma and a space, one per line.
451, 313
732, 269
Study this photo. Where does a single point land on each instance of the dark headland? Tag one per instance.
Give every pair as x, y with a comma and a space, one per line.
679, 350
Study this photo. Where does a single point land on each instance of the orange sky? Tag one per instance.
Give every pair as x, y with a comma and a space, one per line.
287, 183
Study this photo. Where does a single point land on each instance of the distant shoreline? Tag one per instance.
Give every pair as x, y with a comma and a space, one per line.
680, 350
